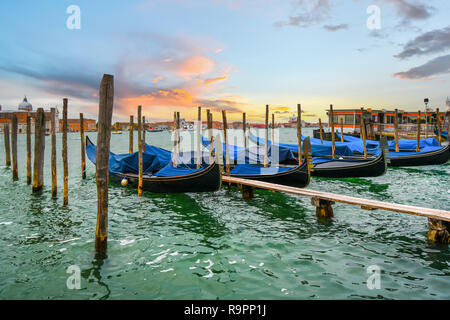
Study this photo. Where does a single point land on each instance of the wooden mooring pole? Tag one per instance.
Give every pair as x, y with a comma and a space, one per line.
438, 123
15, 172
64, 155
175, 139
178, 134
131, 135
7, 147
29, 150
299, 132
342, 130
266, 137
199, 138
53, 156
106, 97
140, 150
273, 128
143, 133
83, 152
225, 138
362, 132
321, 131
244, 128
39, 149
418, 131
210, 138
333, 142
396, 130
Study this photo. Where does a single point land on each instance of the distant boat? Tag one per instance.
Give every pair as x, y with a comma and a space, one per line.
155, 130
116, 132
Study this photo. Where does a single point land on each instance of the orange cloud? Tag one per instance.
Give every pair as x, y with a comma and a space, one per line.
196, 65
211, 80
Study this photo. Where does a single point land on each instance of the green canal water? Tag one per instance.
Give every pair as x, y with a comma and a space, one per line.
217, 245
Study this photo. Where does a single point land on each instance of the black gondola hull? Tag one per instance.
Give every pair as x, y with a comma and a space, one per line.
207, 180
431, 158
296, 177
374, 168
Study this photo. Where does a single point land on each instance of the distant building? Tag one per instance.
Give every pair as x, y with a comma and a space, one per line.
447, 105
25, 109
73, 125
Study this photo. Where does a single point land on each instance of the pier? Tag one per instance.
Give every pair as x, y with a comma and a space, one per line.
439, 220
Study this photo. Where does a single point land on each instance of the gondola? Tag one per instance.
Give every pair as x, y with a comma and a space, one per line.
426, 156
297, 176
159, 177
430, 152
246, 163
342, 166
349, 168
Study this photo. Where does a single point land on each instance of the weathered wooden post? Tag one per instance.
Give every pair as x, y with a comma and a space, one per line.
321, 131
83, 152
39, 149
106, 98
266, 137
438, 123
299, 132
64, 155
438, 231
53, 156
324, 209
131, 135
342, 130
273, 128
178, 134
418, 132
448, 125
210, 136
333, 142
29, 150
247, 192
175, 139
244, 128
225, 138
396, 130
362, 132
15, 171
199, 134
143, 133
7, 147
140, 150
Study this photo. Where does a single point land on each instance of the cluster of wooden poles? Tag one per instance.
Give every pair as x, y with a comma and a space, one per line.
35, 175
364, 134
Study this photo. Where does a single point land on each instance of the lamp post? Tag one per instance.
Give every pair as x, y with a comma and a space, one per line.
426, 116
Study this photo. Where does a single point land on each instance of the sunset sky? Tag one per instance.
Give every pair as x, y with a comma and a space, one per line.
237, 55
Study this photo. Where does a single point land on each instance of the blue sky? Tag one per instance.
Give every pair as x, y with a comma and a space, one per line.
226, 54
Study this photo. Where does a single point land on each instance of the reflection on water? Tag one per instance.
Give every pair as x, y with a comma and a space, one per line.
217, 245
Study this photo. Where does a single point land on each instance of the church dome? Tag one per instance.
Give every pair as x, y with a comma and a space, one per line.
25, 105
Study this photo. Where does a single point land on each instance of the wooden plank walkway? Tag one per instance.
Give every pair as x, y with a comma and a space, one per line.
364, 203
